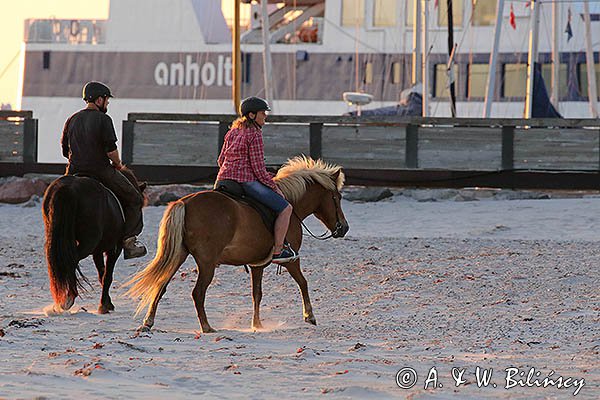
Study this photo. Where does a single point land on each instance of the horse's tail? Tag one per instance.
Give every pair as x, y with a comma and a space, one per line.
170, 254
60, 210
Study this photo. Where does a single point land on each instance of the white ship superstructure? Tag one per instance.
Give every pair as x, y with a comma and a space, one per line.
175, 56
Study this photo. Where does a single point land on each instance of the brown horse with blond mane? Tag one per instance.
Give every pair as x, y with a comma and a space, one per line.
216, 229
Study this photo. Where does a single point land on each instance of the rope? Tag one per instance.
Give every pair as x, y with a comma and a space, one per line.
9, 64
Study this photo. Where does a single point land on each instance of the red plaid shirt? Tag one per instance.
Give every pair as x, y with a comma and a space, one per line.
242, 157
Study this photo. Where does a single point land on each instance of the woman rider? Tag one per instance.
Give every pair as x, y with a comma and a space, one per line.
242, 160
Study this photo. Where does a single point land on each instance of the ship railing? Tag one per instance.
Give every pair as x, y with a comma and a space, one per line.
71, 31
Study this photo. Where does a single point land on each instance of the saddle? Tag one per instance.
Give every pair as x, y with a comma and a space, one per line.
235, 191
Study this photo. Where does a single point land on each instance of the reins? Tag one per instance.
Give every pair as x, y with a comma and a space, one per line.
324, 235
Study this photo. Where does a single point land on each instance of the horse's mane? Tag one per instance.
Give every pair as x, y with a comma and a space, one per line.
294, 176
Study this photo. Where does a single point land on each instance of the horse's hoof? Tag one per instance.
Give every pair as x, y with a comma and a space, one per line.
143, 329
208, 330
311, 320
104, 310
67, 304
110, 307
257, 327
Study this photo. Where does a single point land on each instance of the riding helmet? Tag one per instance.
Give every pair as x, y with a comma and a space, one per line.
253, 105
93, 90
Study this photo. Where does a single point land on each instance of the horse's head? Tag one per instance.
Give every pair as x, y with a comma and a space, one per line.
329, 210
314, 188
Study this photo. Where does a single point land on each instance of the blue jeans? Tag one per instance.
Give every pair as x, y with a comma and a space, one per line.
265, 195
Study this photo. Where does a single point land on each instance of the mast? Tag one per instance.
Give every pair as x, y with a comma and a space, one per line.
236, 57
490, 88
267, 63
416, 53
425, 54
451, 59
589, 59
533, 55
555, 56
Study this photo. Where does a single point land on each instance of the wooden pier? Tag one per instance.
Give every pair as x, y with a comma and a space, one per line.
414, 151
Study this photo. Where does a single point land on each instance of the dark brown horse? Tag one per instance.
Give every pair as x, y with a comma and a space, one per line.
218, 230
82, 218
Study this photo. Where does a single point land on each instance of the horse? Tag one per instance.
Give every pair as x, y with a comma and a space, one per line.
215, 229
82, 217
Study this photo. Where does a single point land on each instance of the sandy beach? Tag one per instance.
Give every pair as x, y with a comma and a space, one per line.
443, 291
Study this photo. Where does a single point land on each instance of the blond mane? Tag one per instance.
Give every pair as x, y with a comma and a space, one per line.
294, 176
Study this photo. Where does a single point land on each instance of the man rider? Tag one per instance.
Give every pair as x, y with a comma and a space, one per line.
90, 144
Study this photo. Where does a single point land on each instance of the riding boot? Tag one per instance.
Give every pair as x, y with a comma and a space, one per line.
133, 248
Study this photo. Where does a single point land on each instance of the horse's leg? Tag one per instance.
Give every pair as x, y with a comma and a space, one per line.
294, 270
256, 279
206, 272
149, 318
106, 304
99, 262
151, 313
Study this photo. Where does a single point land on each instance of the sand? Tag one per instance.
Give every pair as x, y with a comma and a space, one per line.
439, 287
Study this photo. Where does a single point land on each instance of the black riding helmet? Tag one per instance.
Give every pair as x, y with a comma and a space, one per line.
93, 90
253, 105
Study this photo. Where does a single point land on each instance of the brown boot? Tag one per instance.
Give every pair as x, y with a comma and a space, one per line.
132, 248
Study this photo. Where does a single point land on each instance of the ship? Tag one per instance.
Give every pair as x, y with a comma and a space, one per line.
176, 56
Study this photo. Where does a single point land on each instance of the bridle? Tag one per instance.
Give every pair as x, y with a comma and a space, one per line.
324, 235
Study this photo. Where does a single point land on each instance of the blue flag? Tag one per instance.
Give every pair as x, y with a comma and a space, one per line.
569, 31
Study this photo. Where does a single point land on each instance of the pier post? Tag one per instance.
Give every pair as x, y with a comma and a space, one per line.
412, 146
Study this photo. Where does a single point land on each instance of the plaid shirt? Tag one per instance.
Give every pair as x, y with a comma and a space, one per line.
242, 157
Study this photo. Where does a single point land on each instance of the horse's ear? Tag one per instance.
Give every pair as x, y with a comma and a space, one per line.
339, 178
143, 186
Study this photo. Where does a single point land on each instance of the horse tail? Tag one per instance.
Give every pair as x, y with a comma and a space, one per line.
60, 211
170, 254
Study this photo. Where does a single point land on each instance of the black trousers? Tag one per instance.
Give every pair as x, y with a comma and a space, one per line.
130, 197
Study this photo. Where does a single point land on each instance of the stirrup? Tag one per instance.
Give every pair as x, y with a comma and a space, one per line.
286, 255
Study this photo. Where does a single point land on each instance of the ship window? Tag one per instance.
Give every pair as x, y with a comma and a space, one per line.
369, 73
484, 12
396, 73
246, 61
46, 60
353, 12
384, 12
442, 89
477, 81
457, 13
563, 83
583, 79
514, 80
